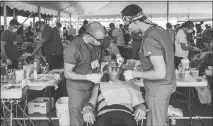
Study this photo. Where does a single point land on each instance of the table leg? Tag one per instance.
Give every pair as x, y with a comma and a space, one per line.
50, 108
11, 113
189, 107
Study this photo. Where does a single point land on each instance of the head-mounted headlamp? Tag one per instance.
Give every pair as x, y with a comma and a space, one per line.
130, 19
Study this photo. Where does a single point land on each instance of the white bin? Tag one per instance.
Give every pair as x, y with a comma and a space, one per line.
62, 111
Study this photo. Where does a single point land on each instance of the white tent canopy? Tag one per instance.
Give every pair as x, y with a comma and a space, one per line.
112, 8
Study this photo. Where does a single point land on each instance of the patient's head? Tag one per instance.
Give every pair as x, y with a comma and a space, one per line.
113, 71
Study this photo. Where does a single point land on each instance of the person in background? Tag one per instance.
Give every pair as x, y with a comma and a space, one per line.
8, 49
171, 32
71, 33
118, 38
157, 61
137, 38
29, 34
110, 30
28, 52
182, 47
199, 28
51, 43
1, 29
65, 33
83, 28
20, 35
126, 35
177, 27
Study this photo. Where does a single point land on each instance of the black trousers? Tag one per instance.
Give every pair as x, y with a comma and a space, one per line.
177, 61
55, 61
115, 118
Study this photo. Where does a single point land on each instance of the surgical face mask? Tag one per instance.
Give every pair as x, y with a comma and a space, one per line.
189, 31
14, 30
94, 42
133, 28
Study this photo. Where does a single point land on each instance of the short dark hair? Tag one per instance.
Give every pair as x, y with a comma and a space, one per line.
38, 23
85, 22
111, 24
187, 24
168, 25
58, 24
13, 22
64, 28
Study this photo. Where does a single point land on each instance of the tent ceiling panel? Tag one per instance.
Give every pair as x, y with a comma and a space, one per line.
111, 9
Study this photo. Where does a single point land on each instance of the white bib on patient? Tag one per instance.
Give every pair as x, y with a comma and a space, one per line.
121, 93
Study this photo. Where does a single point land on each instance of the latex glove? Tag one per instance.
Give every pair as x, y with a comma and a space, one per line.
128, 74
9, 62
140, 112
119, 58
88, 116
94, 77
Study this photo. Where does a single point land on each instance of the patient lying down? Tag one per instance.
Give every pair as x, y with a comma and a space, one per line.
115, 102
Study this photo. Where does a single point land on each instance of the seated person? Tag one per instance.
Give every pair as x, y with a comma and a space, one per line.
25, 57
118, 103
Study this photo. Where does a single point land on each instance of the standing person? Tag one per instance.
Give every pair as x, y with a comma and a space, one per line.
71, 33
171, 32
20, 35
157, 60
29, 34
126, 35
182, 47
80, 68
137, 38
83, 28
51, 43
65, 33
118, 38
8, 49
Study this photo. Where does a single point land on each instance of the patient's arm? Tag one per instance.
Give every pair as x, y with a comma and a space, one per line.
89, 108
140, 112
94, 96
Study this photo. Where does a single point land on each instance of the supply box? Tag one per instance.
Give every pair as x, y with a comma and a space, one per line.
40, 105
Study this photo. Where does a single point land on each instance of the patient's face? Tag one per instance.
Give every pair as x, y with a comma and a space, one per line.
113, 69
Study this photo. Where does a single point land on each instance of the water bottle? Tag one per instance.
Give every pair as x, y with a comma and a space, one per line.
47, 67
35, 76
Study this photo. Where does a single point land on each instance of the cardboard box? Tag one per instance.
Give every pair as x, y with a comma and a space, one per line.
40, 105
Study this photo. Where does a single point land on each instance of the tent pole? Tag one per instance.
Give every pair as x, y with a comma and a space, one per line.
5, 15
167, 11
14, 13
33, 22
59, 17
39, 13
70, 20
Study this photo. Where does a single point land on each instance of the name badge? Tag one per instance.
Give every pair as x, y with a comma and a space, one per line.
95, 64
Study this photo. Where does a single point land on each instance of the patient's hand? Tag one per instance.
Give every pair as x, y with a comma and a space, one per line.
140, 112
88, 115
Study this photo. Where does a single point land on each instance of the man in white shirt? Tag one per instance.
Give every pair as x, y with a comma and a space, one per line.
182, 47
118, 38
